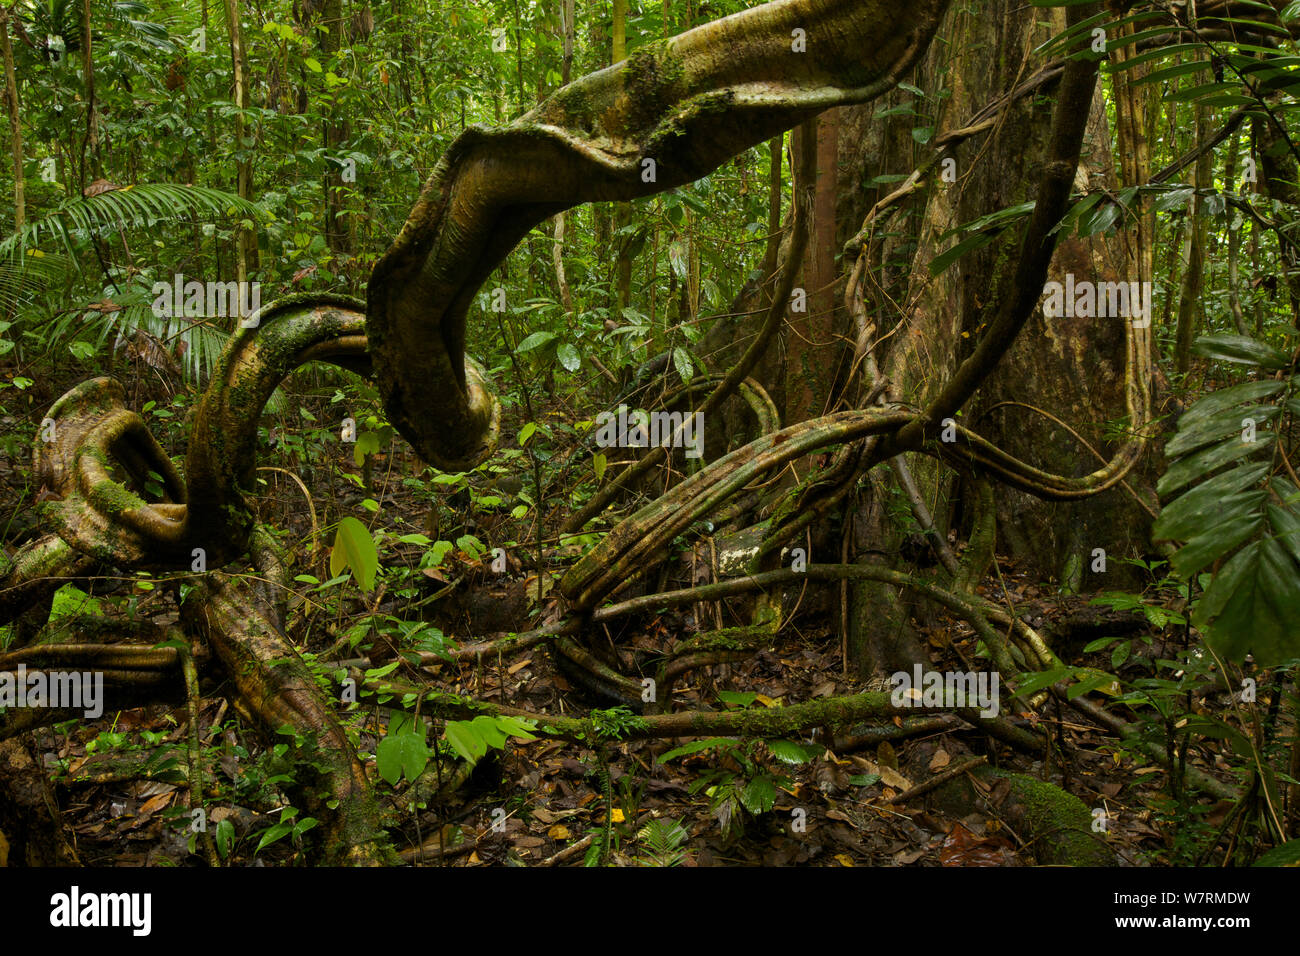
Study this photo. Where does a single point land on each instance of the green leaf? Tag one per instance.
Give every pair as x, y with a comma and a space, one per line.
864, 779
492, 735
1224, 398
403, 751
682, 362
1252, 605
738, 698
312, 64
568, 356
1241, 349
354, 549
225, 837
695, 746
1193, 467
1206, 429
367, 443
1168, 200
946, 258
1288, 854
1032, 683
517, 727
758, 796
536, 341
1222, 498
787, 751
465, 740
277, 832
1218, 540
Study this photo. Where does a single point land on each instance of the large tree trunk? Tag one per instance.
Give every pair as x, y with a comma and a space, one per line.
1071, 368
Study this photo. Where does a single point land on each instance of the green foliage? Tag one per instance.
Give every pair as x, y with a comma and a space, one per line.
287, 826
472, 739
740, 786
354, 550
613, 723
403, 751
71, 601
663, 843
1230, 499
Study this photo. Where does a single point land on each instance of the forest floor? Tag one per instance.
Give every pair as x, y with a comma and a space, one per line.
825, 802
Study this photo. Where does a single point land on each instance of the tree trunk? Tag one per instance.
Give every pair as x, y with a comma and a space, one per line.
15, 128
245, 239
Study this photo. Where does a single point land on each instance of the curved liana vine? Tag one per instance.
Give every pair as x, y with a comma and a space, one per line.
671, 113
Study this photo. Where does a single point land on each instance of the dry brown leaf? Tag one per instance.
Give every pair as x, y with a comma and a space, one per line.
893, 778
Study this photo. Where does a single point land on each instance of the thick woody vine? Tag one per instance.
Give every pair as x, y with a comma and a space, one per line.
671, 113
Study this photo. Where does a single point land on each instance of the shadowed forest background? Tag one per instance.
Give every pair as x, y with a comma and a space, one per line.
968, 333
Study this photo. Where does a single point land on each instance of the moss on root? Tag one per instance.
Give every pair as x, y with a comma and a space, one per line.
1057, 825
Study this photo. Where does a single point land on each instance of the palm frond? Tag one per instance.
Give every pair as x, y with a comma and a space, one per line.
131, 207
23, 276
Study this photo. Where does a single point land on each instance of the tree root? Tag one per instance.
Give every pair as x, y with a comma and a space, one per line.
279, 689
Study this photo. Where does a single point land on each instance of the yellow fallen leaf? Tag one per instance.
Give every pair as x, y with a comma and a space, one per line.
616, 815
765, 700
844, 859
559, 832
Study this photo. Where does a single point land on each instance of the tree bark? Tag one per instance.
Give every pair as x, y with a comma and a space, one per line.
15, 127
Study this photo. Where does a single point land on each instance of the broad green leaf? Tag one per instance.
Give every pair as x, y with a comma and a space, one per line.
1222, 498
367, 443
354, 549
1193, 467
738, 698
486, 727
402, 753
787, 751
1219, 538
1241, 349
276, 832
1288, 854
695, 746
465, 740
517, 727
946, 258
225, 837
1252, 605
1286, 527
1224, 398
759, 795
1033, 682
682, 362
568, 357
1213, 428
536, 341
